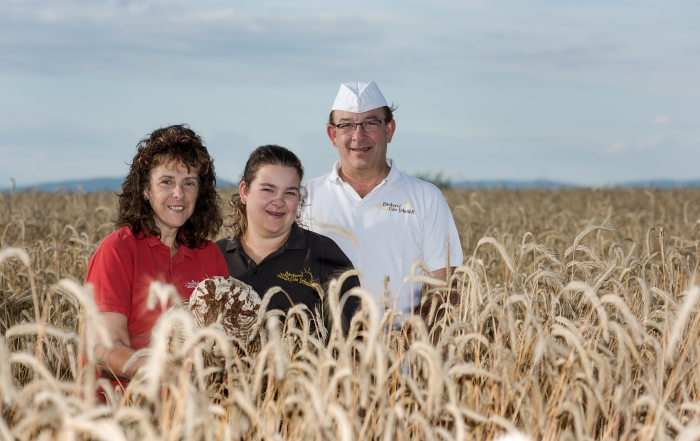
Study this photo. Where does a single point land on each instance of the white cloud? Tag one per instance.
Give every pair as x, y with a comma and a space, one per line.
651, 143
501, 80
586, 42
156, 39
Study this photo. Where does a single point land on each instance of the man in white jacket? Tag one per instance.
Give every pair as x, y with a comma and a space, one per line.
395, 219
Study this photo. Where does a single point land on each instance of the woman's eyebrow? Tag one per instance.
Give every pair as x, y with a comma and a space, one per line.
265, 184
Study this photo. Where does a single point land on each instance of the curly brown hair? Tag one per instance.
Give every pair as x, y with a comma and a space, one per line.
264, 155
177, 143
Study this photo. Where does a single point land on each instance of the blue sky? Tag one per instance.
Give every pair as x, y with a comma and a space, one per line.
586, 92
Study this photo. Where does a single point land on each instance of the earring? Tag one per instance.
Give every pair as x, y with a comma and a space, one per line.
145, 199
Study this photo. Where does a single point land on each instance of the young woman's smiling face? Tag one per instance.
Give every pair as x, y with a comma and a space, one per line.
271, 201
172, 192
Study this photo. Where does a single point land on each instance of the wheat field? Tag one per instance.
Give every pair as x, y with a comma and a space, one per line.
574, 317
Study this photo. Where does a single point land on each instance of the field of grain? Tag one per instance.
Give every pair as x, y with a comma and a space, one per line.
575, 318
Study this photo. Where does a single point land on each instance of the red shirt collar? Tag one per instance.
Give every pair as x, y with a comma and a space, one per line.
154, 241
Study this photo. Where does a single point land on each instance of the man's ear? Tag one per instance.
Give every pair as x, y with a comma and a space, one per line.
390, 129
331, 132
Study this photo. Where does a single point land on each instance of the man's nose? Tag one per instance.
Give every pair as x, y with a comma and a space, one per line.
359, 131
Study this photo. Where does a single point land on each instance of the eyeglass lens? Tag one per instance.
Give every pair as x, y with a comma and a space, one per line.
367, 126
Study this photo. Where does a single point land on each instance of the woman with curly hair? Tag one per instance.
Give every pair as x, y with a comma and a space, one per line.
269, 249
168, 208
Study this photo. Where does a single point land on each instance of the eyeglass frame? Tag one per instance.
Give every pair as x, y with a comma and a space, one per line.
363, 124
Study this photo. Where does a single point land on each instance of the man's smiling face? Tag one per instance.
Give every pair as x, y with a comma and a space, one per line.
361, 151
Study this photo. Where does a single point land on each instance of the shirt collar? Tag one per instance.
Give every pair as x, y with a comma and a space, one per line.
154, 241
295, 241
392, 177
394, 173
233, 245
335, 175
186, 251
151, 240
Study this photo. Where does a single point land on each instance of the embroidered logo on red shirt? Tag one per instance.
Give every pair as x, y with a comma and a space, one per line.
192, 284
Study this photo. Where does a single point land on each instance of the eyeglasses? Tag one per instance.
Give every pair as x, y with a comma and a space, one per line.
372, 125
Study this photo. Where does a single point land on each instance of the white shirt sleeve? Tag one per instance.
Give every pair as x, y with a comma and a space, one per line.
439, 225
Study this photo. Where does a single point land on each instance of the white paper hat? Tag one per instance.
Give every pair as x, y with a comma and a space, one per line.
359, 97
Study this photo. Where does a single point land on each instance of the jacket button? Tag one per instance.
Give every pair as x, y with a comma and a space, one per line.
255, 271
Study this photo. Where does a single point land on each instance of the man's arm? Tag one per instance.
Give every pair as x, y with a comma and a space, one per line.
424, 310
110, 361
439, 228
440, 274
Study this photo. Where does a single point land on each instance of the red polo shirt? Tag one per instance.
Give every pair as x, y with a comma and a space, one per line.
124, 265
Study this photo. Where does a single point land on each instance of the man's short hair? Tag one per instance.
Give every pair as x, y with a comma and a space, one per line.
388, 114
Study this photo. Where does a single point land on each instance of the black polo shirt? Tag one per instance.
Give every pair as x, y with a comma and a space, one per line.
304, 259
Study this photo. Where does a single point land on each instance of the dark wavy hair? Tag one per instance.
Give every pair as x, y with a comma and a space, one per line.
388, 114
177, 143
264, 155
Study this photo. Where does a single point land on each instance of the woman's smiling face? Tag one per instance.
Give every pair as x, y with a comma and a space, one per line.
172, 193
271, 201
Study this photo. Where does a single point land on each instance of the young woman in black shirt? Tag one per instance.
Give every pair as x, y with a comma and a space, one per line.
268, 247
